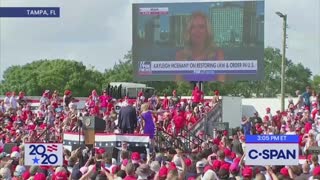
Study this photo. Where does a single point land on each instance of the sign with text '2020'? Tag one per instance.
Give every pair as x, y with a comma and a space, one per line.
45, 154
272, 150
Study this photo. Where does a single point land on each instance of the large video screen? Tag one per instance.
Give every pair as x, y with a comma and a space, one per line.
205, 41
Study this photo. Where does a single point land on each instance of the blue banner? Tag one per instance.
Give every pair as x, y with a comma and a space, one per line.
40, 12
272, 139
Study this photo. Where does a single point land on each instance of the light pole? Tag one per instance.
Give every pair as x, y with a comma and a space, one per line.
284, 17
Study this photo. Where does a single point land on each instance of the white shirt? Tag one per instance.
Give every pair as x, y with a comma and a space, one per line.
318, 139
44, 100
13, 102
313, 99
7, 102
300, 99
290, 133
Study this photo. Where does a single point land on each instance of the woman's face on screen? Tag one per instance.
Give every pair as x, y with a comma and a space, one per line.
198, 31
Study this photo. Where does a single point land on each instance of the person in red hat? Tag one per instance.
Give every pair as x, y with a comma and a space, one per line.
247, 173
268, 113
60, 176
234, 170
259, 130
39, 176
190, 115
196, 96
216, 97
104, 99
228, 155
67, 98
316, 173
165, 102
163, 172
179, 121
22, 100
223, 172
277, 120
140, 98
135, 157
216, 164
222, 157
284, 172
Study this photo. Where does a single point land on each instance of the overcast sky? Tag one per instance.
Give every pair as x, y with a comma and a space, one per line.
98, 32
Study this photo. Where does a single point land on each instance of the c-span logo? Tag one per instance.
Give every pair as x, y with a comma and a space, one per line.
272, 150
43, 154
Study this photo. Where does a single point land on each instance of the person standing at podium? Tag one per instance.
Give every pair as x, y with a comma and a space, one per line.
127, 120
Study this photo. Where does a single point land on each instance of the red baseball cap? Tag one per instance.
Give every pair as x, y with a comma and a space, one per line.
247, 172
284, 171
207, 168
227, 152
125, 162
39, 176
26, 175
216, 164
234, 167
237, 160
188, 162
163, 172
135, 156
60, 176
225, 166
316, 171
15, 148
172, 166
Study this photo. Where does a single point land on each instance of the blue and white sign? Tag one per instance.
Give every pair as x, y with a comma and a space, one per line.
279, 150
45, 154
27, 12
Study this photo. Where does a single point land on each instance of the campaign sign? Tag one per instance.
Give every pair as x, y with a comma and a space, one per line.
278, 150
44, 154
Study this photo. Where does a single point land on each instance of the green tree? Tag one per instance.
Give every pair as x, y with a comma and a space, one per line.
297, 77
121, 71
33, 78
59, 75
316, 83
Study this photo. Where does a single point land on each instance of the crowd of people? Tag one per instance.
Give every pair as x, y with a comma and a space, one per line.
220, 157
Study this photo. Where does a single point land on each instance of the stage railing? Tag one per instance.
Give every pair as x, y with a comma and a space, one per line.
206, 123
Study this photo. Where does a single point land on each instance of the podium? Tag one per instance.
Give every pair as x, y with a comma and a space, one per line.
90, 126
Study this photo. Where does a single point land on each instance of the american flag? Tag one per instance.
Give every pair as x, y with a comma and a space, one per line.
52, 148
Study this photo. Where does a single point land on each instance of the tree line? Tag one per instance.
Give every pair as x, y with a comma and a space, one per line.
59, 74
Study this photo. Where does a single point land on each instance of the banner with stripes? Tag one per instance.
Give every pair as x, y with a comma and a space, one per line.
114, 140
72, 138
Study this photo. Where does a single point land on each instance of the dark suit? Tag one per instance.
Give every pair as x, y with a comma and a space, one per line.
237, 147
127, 121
